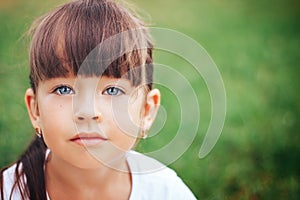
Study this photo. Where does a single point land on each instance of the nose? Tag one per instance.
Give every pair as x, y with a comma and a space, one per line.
85, 109
83, 117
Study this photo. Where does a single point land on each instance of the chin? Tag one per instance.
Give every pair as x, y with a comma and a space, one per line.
90, 164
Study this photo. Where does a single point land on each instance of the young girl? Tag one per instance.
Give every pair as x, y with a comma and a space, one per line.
91, 99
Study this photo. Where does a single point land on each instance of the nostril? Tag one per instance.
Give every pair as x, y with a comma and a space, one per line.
80, 118
96, 118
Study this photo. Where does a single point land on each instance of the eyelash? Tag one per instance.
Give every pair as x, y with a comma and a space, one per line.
118, 91
111, 91
59, 91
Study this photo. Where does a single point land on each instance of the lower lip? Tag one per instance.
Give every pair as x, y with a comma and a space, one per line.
89, 142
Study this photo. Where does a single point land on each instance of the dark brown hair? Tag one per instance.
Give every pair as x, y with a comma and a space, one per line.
99, 29
82, 37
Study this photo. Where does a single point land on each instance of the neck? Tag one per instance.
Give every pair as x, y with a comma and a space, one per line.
61, 174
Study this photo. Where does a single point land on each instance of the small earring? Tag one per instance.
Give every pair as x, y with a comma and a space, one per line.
38, 132
144, 133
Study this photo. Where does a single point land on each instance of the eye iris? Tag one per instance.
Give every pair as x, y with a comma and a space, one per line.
113, 91
64, 90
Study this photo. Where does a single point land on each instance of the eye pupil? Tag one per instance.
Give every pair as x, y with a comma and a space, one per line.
64, 90
113, 91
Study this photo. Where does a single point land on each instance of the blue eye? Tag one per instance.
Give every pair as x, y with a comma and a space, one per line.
64, 90
113, 91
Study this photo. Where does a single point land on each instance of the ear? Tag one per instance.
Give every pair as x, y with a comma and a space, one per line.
32, 108
150, 109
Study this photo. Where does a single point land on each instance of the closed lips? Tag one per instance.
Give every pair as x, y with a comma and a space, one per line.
87, 136
88, 139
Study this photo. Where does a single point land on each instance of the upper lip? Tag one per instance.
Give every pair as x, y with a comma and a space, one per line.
88, 136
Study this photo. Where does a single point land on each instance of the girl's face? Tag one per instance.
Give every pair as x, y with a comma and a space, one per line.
86, 121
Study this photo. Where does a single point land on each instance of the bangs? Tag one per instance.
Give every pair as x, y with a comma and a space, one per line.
91, 38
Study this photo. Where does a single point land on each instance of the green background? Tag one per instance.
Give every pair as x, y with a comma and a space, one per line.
255, 45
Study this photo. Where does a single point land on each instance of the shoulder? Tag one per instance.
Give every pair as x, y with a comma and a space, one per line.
153, 180
9, 182
9, 177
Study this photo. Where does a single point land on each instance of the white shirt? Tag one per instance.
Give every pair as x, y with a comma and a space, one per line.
151, 180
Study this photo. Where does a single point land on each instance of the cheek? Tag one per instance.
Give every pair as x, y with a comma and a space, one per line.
135, 110
56, 118
125, 116
134, 114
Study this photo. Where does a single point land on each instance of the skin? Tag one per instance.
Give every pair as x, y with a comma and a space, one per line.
69, 111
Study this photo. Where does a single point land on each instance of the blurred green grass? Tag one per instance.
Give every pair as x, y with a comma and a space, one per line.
256, 47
